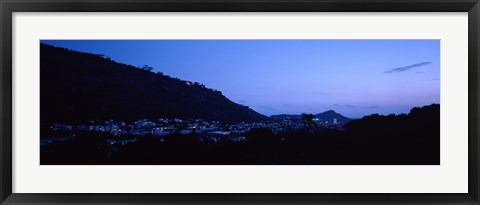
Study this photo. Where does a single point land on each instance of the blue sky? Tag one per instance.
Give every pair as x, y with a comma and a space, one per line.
352, 77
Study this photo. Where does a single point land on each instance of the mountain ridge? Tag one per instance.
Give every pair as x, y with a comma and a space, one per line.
78, 86
323, 116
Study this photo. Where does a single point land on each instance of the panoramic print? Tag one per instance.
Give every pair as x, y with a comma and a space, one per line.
239, 102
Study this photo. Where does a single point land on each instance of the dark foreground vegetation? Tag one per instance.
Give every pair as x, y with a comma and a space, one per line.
407, 139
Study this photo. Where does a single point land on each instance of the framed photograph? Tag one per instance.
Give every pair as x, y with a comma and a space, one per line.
238, 101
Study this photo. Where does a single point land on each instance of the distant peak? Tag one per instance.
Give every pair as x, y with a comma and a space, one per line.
331, 114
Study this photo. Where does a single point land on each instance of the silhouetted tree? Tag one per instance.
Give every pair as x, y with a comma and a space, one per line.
308, 123
147, 68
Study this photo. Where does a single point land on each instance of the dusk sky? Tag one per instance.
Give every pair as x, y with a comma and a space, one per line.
353, 77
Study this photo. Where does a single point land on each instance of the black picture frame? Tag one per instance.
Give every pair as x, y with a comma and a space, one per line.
7, 7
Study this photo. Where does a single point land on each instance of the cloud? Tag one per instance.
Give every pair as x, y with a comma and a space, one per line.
406, 68
373, 107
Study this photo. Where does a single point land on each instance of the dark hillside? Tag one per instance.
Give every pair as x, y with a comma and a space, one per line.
79, 86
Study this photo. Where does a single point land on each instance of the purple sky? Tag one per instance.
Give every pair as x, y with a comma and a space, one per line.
352, 77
